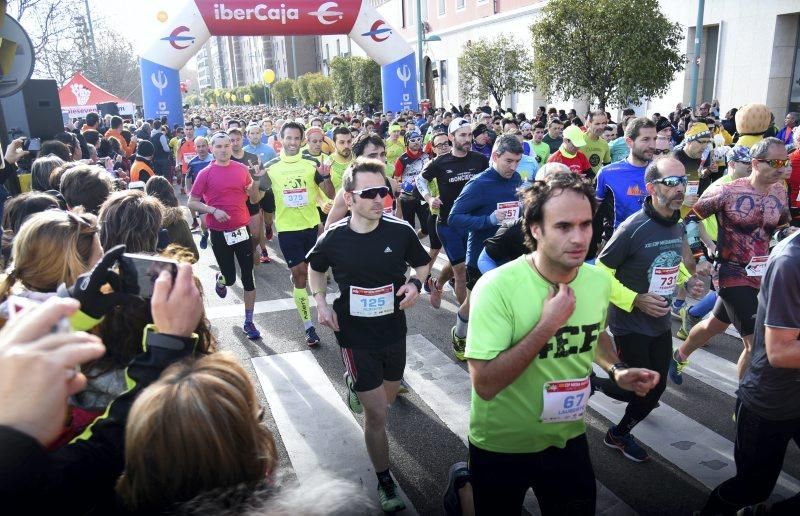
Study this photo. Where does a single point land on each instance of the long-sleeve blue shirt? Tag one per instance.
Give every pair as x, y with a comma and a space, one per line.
474, 208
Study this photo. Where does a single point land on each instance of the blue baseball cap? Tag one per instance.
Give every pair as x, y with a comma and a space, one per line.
739, 153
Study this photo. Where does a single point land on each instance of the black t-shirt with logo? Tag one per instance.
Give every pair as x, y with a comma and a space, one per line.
451, 174
368, 262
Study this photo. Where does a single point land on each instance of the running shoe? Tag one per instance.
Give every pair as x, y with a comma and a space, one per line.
676, 310
403, 387
268, 231
265, 257
426, 286
220, 288
390, 500
687, 323
352, 398
436, 293
195, 224
676, 368
251, 331
312, 339
204, 240
456, 478
627, 445
753, 510
459, 345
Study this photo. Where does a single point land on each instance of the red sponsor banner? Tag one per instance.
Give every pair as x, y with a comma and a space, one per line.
278, 18
567, 385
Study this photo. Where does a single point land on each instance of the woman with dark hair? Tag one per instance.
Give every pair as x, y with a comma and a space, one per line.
174, 214
131, 218
17, 210
41, 170
58, 148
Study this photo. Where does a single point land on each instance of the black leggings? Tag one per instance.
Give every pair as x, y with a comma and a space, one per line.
641, 351
224, 253
759, 452
414, 207
562, 480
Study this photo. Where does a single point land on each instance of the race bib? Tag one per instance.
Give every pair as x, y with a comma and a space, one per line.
692, 187
664, 280
565, 400
188, 157
236, 236
371, 302
511, 209
757, 266
295, 197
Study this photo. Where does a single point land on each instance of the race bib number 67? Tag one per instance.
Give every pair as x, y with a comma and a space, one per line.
565, 400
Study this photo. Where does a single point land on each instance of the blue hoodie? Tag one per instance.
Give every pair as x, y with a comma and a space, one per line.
474, 208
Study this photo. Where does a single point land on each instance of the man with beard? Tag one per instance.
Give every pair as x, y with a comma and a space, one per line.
596, 148
644, 257
342, 155
452, 171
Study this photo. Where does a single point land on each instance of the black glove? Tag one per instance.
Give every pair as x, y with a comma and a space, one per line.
95, 303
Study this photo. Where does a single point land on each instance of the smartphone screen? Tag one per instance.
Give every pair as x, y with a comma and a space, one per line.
35, 145
147, 268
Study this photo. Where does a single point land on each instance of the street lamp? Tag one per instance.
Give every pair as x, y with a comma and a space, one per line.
420, 40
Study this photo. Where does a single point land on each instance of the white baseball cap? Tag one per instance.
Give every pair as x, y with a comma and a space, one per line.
457, 124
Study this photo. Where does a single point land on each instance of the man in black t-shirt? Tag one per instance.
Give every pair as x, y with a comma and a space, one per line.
368, 317
253, 164
452, 171
768, 405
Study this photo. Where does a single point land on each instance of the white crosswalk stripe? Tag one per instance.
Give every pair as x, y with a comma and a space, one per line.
315, 424
307, 410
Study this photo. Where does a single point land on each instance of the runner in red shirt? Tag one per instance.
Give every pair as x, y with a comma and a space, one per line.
186, 153
569, 153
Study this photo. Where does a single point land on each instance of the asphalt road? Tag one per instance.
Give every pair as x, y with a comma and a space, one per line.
421, 423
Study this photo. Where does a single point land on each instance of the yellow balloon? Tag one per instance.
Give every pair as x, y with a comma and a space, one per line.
268, 76
247, 98
162, 16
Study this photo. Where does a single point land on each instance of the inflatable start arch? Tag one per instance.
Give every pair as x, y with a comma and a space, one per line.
181, 29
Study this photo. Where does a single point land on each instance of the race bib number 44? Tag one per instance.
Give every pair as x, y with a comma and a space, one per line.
295, 197
565, 400
371, 302
236, 236
510, 209
757, 266
663, 280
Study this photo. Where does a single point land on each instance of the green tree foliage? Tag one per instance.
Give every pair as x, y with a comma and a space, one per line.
342, 77
616, 52
496, 67
355, 80
283, 91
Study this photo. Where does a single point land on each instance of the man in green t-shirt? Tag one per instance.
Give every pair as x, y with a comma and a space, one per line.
596, 148
536, 325
539, 148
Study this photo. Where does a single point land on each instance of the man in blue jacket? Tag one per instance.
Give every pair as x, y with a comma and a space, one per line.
487, 200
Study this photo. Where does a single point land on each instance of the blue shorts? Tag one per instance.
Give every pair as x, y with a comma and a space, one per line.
295, 245
454, 243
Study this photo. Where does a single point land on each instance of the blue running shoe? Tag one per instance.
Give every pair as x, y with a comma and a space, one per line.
627, 445
204, 240
312, 339
676, 368
251, 331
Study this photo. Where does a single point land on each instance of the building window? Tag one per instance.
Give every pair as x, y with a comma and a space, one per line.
460, 4
442, 7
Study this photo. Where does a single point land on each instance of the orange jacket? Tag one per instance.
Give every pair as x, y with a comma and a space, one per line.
137, 169
127, 148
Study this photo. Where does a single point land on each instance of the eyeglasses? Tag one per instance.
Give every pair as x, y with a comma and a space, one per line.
658, 152
414, 140
371, 193
774, 163
442, 145
672, 181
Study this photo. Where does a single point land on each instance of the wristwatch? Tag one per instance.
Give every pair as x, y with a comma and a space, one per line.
614, 368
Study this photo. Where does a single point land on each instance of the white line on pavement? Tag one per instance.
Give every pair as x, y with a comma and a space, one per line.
694, 448
446, 389
316, 426
712, 370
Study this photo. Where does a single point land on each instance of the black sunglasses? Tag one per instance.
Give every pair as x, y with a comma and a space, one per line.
672, 181
371, 193
658, 152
